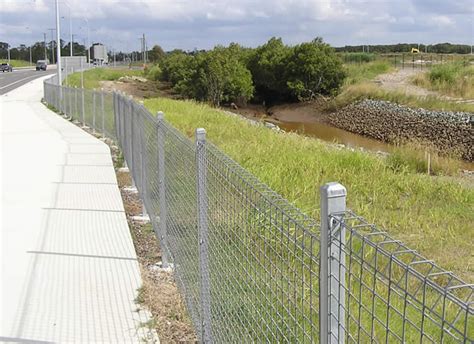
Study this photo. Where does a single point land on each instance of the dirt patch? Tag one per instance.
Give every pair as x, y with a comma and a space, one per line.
307, 112
159, 292
140, 88
400, 81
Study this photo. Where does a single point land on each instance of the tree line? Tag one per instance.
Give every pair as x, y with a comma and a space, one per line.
22, 52
270, 73
440, 48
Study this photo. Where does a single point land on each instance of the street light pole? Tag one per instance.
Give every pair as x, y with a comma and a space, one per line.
88, 42
52, 45
44, 37
70, 30
58, 45
8, 48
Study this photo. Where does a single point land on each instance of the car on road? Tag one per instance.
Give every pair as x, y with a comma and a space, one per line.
41, 65
5, 67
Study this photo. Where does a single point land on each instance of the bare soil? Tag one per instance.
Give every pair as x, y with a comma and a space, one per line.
399, 81
139, 89
159, 292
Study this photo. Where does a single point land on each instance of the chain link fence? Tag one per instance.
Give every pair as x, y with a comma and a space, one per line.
251, 266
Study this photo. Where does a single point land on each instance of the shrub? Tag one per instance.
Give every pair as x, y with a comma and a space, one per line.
313, 68
153, 72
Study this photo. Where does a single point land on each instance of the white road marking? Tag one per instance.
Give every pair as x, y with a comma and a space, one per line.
16, 82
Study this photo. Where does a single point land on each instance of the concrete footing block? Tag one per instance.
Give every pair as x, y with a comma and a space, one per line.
131, 189
143, 219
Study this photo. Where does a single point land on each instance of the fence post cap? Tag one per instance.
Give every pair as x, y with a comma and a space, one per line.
160, 115
334, 189
200, 134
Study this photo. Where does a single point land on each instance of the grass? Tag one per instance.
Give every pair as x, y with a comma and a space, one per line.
433, 216
357, 73
17, 63
92, 77
368, 90
451, 79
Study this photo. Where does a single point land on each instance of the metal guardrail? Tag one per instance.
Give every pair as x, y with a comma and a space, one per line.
251, 266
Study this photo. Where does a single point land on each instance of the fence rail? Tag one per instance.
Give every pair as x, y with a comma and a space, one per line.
251, 266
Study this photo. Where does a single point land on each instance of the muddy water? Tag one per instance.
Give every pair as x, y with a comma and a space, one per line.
335, 135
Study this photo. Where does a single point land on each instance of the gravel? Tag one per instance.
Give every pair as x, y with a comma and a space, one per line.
447, 131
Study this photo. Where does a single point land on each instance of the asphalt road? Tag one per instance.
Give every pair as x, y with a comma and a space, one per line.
12, 80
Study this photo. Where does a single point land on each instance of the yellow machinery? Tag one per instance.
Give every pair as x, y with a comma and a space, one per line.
415, 51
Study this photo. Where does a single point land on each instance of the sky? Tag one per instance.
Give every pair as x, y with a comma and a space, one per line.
202, 24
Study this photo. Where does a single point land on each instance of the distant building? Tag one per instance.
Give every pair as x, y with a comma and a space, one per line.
99, 54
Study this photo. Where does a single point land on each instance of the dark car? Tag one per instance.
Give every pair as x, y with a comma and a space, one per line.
41, 65
5, 67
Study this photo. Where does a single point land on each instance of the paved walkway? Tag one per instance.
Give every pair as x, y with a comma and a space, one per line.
69, 269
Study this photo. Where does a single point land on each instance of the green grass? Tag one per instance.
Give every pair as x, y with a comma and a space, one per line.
17, 63
368, 90
357, 73
452, 79
92, 77
433, 216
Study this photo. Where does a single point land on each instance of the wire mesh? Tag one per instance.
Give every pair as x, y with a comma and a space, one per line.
395, 295
261, 269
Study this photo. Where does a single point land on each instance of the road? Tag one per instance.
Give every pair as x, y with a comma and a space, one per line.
10, 81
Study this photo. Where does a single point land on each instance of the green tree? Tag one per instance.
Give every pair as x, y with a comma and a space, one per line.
156, 54
313, 68
221, 77
267, 65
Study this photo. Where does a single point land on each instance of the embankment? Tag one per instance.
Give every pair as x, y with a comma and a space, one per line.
389, 122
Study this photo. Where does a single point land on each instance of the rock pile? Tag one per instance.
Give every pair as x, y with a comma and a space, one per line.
447, 131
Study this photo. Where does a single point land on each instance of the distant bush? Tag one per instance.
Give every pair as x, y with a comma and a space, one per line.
272, 72
153, 73
454, 79
313, 68
216, 76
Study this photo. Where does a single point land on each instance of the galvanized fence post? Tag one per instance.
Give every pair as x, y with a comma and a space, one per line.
102, 111
142, 143
203, 229
332, 280
83, 110
162, 189
75, 103
131, 141
93, 111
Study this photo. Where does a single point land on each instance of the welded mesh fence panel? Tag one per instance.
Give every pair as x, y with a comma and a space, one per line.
263, 256
394, 295
247, 261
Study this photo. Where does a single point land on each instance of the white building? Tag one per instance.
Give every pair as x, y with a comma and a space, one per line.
99, 53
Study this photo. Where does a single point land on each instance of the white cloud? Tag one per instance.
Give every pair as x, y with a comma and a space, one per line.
203, 23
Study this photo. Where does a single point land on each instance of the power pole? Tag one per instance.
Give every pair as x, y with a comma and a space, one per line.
44, 36
58, 45
8, 48
52, 44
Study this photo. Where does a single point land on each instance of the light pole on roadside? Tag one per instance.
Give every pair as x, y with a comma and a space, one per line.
58, 45
88, 41
31, 62
8, 48
52, 44
44, 45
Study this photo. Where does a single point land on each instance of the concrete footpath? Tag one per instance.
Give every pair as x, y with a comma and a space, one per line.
69, 271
